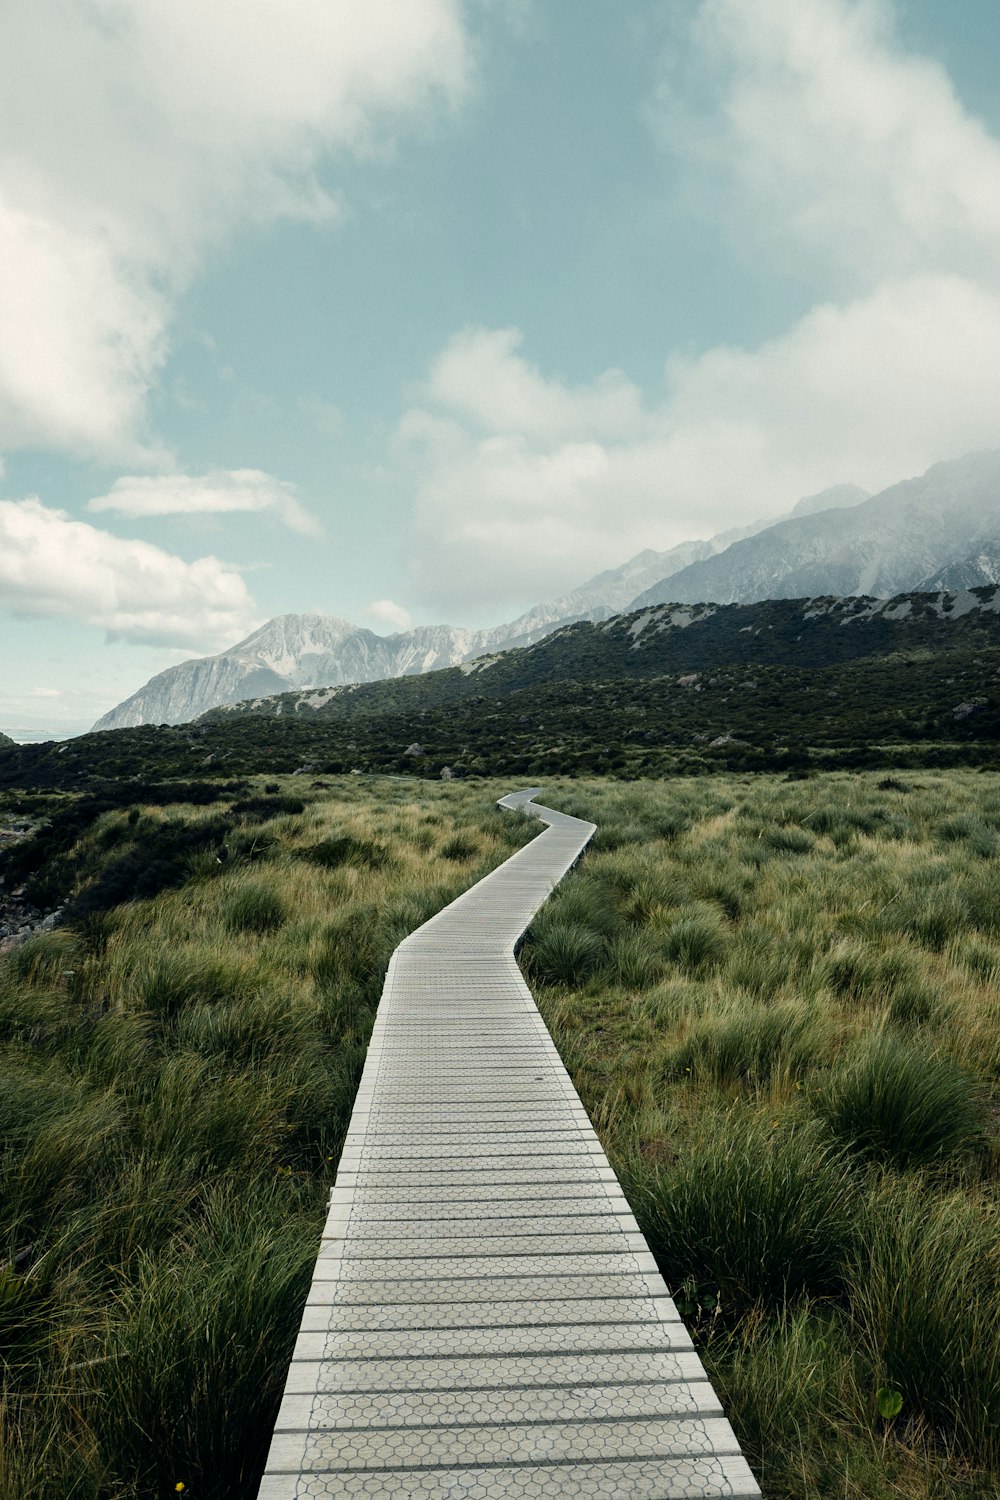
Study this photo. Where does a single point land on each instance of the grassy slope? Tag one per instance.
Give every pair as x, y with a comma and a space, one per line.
176, 1075
780, 1002
778, 999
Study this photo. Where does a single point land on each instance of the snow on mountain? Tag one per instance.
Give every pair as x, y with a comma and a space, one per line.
600, 597
319, 651
288, 652
941, 531
894, 542
979, 569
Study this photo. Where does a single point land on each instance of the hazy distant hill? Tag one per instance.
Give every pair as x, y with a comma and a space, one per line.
324, 651
892, 542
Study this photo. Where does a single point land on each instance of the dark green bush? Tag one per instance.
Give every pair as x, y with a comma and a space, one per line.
347, 850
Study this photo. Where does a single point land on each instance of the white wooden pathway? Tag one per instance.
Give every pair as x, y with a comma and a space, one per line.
486, 1321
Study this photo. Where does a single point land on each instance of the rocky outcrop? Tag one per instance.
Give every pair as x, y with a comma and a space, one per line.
19, 920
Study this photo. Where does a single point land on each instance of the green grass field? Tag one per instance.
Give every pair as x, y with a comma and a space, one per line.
779, 1001
778, 998
176, 1076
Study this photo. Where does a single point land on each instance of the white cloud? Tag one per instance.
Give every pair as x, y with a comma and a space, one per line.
480, 376
388, 612
53, 566
81, 331
855, 165
136, 136
815, 131
221, 492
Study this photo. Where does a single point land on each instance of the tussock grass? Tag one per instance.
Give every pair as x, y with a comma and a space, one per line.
747, 1043
893, 1099
565, 952
176, 1076
752, 1213
928, 1306
799, 1085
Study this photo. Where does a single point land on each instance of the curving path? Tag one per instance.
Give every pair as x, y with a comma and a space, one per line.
485, 1321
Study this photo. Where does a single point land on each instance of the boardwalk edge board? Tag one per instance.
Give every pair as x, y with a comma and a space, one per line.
485, 1318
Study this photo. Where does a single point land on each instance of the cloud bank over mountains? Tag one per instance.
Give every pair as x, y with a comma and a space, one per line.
814, 140
51, 566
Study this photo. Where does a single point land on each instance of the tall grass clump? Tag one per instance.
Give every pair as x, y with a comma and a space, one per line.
748, 1044
254, 909
755, 1213
927, 1302
564, 953
695, 942
894, 1100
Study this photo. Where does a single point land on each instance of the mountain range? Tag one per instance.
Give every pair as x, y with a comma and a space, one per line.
940, 531
321, 651
785, 684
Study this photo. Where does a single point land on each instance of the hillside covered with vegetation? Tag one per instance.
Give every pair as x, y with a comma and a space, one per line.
798, 684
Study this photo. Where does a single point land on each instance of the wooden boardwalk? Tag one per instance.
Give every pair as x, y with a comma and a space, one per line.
485, 1321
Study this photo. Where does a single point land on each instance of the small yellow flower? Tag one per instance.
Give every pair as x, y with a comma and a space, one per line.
180, 1485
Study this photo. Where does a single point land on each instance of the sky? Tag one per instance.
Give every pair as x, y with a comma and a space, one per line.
413, 311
